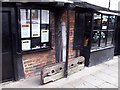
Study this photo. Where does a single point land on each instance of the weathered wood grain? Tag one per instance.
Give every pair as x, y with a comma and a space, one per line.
56, 71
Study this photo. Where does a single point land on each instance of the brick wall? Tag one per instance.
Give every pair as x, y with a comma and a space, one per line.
71, 35
71, 32
34, 61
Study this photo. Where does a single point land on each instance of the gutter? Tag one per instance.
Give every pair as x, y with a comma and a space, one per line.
108, 12
47, 1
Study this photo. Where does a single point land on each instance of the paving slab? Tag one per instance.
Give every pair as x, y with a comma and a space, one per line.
80, 83
93, 80
103, 75
107, 85
106, 78
66, 86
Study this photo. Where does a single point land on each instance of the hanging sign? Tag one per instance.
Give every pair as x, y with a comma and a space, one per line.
35, 30
26, 45
44, 35
25, 30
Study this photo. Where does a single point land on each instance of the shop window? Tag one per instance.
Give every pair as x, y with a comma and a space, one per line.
111, 23
97, 21
95, 39
35, 43
104, 22
34, 28
103, 30
35, 17
111, 29
103, 38
110, 37
103, 35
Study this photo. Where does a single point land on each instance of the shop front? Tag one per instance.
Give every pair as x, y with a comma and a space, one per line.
39, 34
95, 32
28, 33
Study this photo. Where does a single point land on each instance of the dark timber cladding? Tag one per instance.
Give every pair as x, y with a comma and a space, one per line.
98, 42
30, 53
117, 37
12, 60
12, 65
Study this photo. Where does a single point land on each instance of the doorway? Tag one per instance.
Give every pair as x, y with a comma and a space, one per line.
7, 55
82, 35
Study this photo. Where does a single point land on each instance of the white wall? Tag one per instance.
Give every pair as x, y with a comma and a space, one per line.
104, 3
119, 6
114, 4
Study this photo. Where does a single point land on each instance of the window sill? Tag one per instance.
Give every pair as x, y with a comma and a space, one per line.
101, 48
36, 50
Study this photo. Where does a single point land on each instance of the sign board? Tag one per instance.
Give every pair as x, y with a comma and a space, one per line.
25, 30
35, 30
44, 35
26, 45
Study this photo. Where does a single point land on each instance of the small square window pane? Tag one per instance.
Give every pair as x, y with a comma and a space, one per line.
44, 35
103, 38
109, 37
43, 26
26, 45
111, 22
25, 16
35, 43
25, 31
95, 39
45, 16
25, 23
35, 30
35, 16
97, 21
104, 21
47, 27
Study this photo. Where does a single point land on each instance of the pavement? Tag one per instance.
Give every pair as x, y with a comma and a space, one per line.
104, 75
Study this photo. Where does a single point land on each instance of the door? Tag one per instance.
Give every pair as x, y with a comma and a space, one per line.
7, 60
86, 37
79, 30
83, 34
